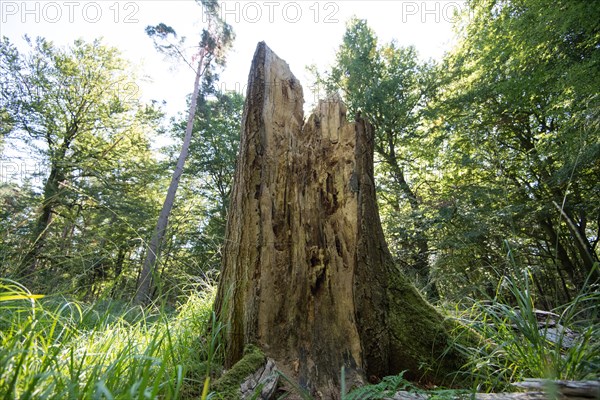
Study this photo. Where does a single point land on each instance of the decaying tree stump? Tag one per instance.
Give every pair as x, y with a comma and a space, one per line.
306, 273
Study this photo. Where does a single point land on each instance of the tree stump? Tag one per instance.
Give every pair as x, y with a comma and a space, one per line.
306, 273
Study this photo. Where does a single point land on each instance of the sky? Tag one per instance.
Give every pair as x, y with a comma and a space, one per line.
302, 32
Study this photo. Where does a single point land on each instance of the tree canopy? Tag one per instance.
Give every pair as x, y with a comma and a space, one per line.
77, 110
492, 150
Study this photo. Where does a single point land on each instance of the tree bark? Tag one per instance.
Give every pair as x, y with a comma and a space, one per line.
306, 273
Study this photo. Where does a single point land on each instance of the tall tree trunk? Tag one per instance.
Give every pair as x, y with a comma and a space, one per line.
421, 261
422, 265
144, 286
306, 273
52, 188
29, 264
560, 252
582, 244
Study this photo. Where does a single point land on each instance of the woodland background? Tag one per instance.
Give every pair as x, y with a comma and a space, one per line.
487, 167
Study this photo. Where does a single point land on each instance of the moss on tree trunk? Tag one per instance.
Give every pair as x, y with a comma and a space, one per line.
228, 385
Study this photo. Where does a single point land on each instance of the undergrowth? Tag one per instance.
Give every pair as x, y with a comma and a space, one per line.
390, 385
52, 348
518, 341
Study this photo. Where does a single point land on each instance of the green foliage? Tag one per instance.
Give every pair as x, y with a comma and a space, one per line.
197, 224
75, 110
517, 344
215, 39
388, 386
495, 151
499, 141
389, 86
86, 224
215, 146
391, 385
516, 124
212, 165
228, 385
58, 349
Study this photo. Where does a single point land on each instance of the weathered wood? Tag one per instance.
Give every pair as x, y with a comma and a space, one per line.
586, 389
261, 385
306, 273
515, 396
543, 390
491, 396
550, 328
404, 395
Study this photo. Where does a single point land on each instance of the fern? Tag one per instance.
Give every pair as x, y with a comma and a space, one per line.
387, 387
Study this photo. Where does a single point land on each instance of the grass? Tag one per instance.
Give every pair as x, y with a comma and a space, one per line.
52, 348
516, 345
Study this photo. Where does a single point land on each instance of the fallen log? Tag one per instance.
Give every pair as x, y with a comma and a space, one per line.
538, 389
583, 389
